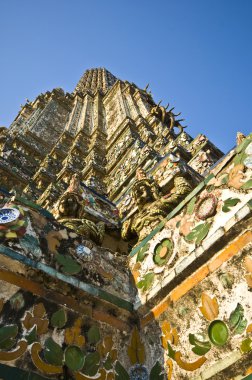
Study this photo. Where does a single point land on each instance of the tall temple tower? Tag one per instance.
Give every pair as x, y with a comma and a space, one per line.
125, 243
104, 130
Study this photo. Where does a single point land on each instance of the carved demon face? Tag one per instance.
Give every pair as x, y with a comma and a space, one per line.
69, 206
142, 193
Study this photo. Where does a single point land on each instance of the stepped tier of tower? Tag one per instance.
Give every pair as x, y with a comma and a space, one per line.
103, 131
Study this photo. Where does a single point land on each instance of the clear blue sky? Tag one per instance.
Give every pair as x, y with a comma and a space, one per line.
196, 54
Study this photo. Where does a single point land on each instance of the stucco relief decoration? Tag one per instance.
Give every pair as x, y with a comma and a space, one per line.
206, 206
219, 333
170, 166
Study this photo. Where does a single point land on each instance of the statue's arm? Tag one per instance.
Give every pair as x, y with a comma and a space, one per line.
126, 231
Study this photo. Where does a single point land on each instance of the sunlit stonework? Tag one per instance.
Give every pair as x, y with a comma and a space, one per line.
125, 243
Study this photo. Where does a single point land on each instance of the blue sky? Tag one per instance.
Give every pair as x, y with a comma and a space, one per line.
196, 55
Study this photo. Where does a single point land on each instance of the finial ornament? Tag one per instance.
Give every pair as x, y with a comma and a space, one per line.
239, 138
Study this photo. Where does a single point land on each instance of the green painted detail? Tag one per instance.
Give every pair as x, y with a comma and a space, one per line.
246, 345
74, 358
224, 180
239, 158
120, 302
249, 203
247, 185
218, 333
142, 253
91, 365
88, 288
160, 257
53, 352
93, 335
156, 372
7, 336
59, 318
240, 150
191, 205
171, 352
230, 202
32, 336
146, 282
198, 233
108, 363
68, 265
249, 377
172, 214
237, 322
121, 373
201, 346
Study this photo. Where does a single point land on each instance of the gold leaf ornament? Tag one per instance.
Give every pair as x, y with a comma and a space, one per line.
37, 318
13, 355
169, 334
210, 307
189, 366
53, 240
169, 368
248, 266
136, 351
40, 364
73, 334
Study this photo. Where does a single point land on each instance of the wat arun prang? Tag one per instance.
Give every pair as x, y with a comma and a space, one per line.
125, 244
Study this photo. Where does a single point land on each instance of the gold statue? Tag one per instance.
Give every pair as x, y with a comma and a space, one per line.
152, 206
70, 212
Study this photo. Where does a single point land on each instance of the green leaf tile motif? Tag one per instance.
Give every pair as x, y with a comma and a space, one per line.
247, 185
142, 253
191, 206
68, 265
7, 336
201, 345
237, 322
32, 336
230, 202
146, 282
156, 372
94, 335
59, 318
74, 358
53, 352
198, 233
91, 364
121, 373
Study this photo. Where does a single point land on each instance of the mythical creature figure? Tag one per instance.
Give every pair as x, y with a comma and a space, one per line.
70, 212
167, 117
152, 206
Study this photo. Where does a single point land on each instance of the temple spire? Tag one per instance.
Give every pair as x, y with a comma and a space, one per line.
95, 79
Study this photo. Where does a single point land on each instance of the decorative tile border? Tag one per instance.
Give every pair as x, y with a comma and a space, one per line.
88, 288
190, 282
